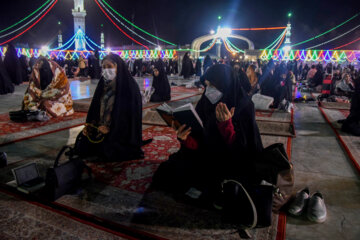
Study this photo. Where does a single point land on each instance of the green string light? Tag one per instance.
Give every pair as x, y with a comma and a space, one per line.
232, 45
310, 39
137, 26
276, 40
1, 31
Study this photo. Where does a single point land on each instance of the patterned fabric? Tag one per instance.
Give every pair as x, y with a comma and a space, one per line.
56, 99
107, 103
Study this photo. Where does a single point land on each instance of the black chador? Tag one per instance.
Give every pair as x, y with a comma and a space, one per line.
160, 84
124, 138
12, 65
6, 85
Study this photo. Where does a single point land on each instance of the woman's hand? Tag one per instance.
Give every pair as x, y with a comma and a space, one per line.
222, 112
85, 131
104, 130
182, 132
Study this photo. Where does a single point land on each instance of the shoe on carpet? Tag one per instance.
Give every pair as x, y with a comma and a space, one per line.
3, 159
316, 211
299, 204
352, 128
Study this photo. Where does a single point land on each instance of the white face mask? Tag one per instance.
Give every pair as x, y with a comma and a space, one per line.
213, 94
109, 73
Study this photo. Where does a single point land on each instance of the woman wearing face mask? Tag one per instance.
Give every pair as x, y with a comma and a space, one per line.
116, 113
160, 84
49, 90
224, 148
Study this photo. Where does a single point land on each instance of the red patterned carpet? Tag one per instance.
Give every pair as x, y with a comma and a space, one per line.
136, 175
12, 131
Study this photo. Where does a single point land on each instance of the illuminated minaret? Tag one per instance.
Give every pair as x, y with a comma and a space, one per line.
102, 38
79, 14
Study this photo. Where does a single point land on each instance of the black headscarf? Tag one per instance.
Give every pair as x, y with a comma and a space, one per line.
160, 84
124, 140
6, 85
46, 74
247, 133
12, 65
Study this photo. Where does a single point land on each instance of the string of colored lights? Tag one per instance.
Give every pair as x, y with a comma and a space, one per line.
358, 39
66, 45
125, 25
140, 29
93, 43
33, 19
282, 39
312, 55
233, 46
276, 41
334, 38
257, 29
332, 29
118, 26
22, 20
9, 40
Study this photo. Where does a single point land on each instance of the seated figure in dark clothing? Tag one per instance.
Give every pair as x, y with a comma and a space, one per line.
160, 83
226, 145
115, 115
352, 123
6, 86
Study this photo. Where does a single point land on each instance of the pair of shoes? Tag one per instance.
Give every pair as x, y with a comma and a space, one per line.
314, 206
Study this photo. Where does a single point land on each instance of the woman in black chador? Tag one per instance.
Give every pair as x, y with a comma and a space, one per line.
12, 65
198, 67
187, 69
94, 66
24, 68
116, 112
6, 85
160, 83
352, 123
207, 63
224, 148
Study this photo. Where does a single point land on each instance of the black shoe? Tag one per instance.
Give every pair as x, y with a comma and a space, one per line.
146, 142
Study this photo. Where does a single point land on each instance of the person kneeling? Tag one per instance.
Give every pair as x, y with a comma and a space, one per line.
113, 128
49, 90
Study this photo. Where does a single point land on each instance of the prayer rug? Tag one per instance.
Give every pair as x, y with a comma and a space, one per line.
273, 116
24, 220
350, 143
12, 132
276, 128
335, 105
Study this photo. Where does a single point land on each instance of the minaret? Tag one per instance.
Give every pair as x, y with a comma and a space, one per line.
60, 41
102, 38
79, 14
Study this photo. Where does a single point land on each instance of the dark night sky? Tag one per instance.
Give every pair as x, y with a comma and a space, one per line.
182, 21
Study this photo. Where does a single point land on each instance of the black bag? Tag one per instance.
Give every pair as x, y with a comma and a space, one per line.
271, 162
28, 115
249, 206
65, 178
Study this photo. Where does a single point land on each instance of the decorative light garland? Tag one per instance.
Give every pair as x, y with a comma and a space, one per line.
231, 45
335, 38
276, 41
118, 26
310, 39
33, 19
31, 25
136, 26
312, 55
257, 29
102, 4
358, 39
1, 31
282, 39
72, 54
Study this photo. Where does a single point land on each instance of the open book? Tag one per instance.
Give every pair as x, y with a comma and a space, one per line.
185, 114
262, 102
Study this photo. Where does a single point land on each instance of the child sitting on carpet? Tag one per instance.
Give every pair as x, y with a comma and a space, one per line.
113, 129
49, 90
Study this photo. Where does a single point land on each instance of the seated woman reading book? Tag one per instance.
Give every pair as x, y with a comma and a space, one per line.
49, 90
113, 126
224, 147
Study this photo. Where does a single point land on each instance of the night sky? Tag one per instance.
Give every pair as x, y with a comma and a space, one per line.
182, 21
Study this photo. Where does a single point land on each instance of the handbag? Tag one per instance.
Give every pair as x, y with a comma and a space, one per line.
247, 205
28, 115
65, 178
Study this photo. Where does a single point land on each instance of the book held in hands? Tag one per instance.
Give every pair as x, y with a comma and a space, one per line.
185, 114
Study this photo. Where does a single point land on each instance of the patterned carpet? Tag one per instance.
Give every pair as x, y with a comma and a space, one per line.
12, 131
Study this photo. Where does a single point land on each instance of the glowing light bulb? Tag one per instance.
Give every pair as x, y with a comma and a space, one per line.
212, 32
44, 48
224, 32
287, 48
